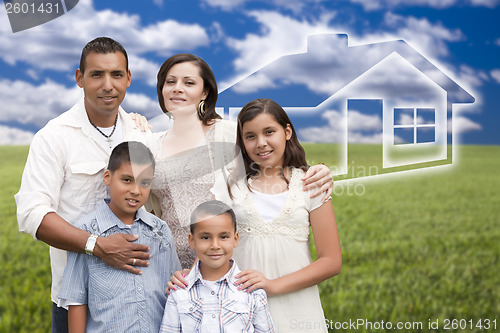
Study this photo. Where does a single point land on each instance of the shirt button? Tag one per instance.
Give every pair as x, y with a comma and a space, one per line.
191, 309
213, 316
213, 292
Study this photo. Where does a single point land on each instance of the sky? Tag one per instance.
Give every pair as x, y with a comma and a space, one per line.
243, 42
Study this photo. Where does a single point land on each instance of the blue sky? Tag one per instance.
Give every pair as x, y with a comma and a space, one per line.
237, 38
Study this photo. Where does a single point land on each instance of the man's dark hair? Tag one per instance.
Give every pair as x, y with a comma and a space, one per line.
130, 152
211, 208
101, 45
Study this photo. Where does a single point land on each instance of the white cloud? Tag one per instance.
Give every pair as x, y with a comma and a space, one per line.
57, 45
159, 3
333, 132
363, 122
14, 136
471, 76
29, 104
295, 6
439, 4
140, 103
225, 4
362, 128
258, 50
428, 38
495, 74
463, 125
485, 3
379, 4
143, 69
35, 75
25, 103
405, 119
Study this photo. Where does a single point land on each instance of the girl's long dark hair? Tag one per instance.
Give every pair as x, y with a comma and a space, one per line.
294, 154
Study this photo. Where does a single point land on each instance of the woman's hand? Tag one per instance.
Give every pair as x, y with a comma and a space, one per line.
140, 121
249, 280
319, 179
177, 280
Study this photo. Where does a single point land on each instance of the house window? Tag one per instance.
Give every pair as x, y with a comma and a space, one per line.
414, 125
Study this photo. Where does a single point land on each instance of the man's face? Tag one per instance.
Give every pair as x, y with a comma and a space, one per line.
104, 83
213, 240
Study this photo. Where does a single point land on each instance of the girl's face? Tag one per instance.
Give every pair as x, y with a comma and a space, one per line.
265, 140
183, 87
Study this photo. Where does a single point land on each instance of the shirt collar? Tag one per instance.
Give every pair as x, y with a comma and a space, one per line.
80, 119
195, 276
106, 219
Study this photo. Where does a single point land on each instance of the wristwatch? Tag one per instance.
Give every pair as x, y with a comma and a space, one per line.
89, 246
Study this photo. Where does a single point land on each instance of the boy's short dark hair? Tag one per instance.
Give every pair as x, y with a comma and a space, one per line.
101, 45
130, 152
211, 208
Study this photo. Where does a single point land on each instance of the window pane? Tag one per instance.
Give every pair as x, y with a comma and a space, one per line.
403, 116
426, 116
426, 134
403, 136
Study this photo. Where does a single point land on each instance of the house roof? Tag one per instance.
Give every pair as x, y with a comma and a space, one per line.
329, 65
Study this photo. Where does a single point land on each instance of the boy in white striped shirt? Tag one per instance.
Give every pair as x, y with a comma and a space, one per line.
211, 302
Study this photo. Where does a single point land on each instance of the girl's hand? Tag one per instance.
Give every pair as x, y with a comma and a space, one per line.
177, 280
319, 179
140, 121
249, 280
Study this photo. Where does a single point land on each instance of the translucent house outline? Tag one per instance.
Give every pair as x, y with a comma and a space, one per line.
416, 98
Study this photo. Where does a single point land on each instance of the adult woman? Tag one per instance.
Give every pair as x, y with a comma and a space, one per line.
196, 148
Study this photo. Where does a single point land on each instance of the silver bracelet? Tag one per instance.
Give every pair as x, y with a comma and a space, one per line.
89, 246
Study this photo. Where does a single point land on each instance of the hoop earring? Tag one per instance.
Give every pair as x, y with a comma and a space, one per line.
201, 109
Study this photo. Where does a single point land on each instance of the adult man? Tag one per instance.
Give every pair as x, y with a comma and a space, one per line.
62, 179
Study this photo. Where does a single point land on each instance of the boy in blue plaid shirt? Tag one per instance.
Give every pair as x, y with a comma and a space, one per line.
211, 302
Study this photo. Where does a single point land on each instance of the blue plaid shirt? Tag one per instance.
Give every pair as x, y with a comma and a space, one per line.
119, 301
217, 308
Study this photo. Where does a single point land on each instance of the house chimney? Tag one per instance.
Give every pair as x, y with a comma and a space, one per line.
326, 43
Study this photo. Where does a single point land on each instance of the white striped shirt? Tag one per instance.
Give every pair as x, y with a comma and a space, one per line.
216, 307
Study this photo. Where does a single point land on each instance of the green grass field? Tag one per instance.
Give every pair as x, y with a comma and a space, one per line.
417, 247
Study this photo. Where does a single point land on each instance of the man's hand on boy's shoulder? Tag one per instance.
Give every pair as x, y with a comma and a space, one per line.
118, 251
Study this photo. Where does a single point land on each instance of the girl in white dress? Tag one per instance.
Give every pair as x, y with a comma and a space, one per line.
274, 216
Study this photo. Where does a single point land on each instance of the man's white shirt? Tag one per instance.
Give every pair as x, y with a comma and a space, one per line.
63, 174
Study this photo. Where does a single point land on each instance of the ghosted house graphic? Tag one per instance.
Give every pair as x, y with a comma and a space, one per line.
383, 93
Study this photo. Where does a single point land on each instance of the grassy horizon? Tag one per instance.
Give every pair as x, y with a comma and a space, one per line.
417, 247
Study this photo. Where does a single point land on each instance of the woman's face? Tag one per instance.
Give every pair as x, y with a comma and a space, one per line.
183, 87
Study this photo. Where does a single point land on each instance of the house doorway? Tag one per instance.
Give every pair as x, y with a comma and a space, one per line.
364, 137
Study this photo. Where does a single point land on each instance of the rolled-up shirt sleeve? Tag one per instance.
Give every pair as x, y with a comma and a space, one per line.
41, 183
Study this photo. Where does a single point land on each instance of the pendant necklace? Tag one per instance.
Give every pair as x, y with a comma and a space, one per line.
108, 137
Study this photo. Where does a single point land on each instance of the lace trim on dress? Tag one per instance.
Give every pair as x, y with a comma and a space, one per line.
254, 225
